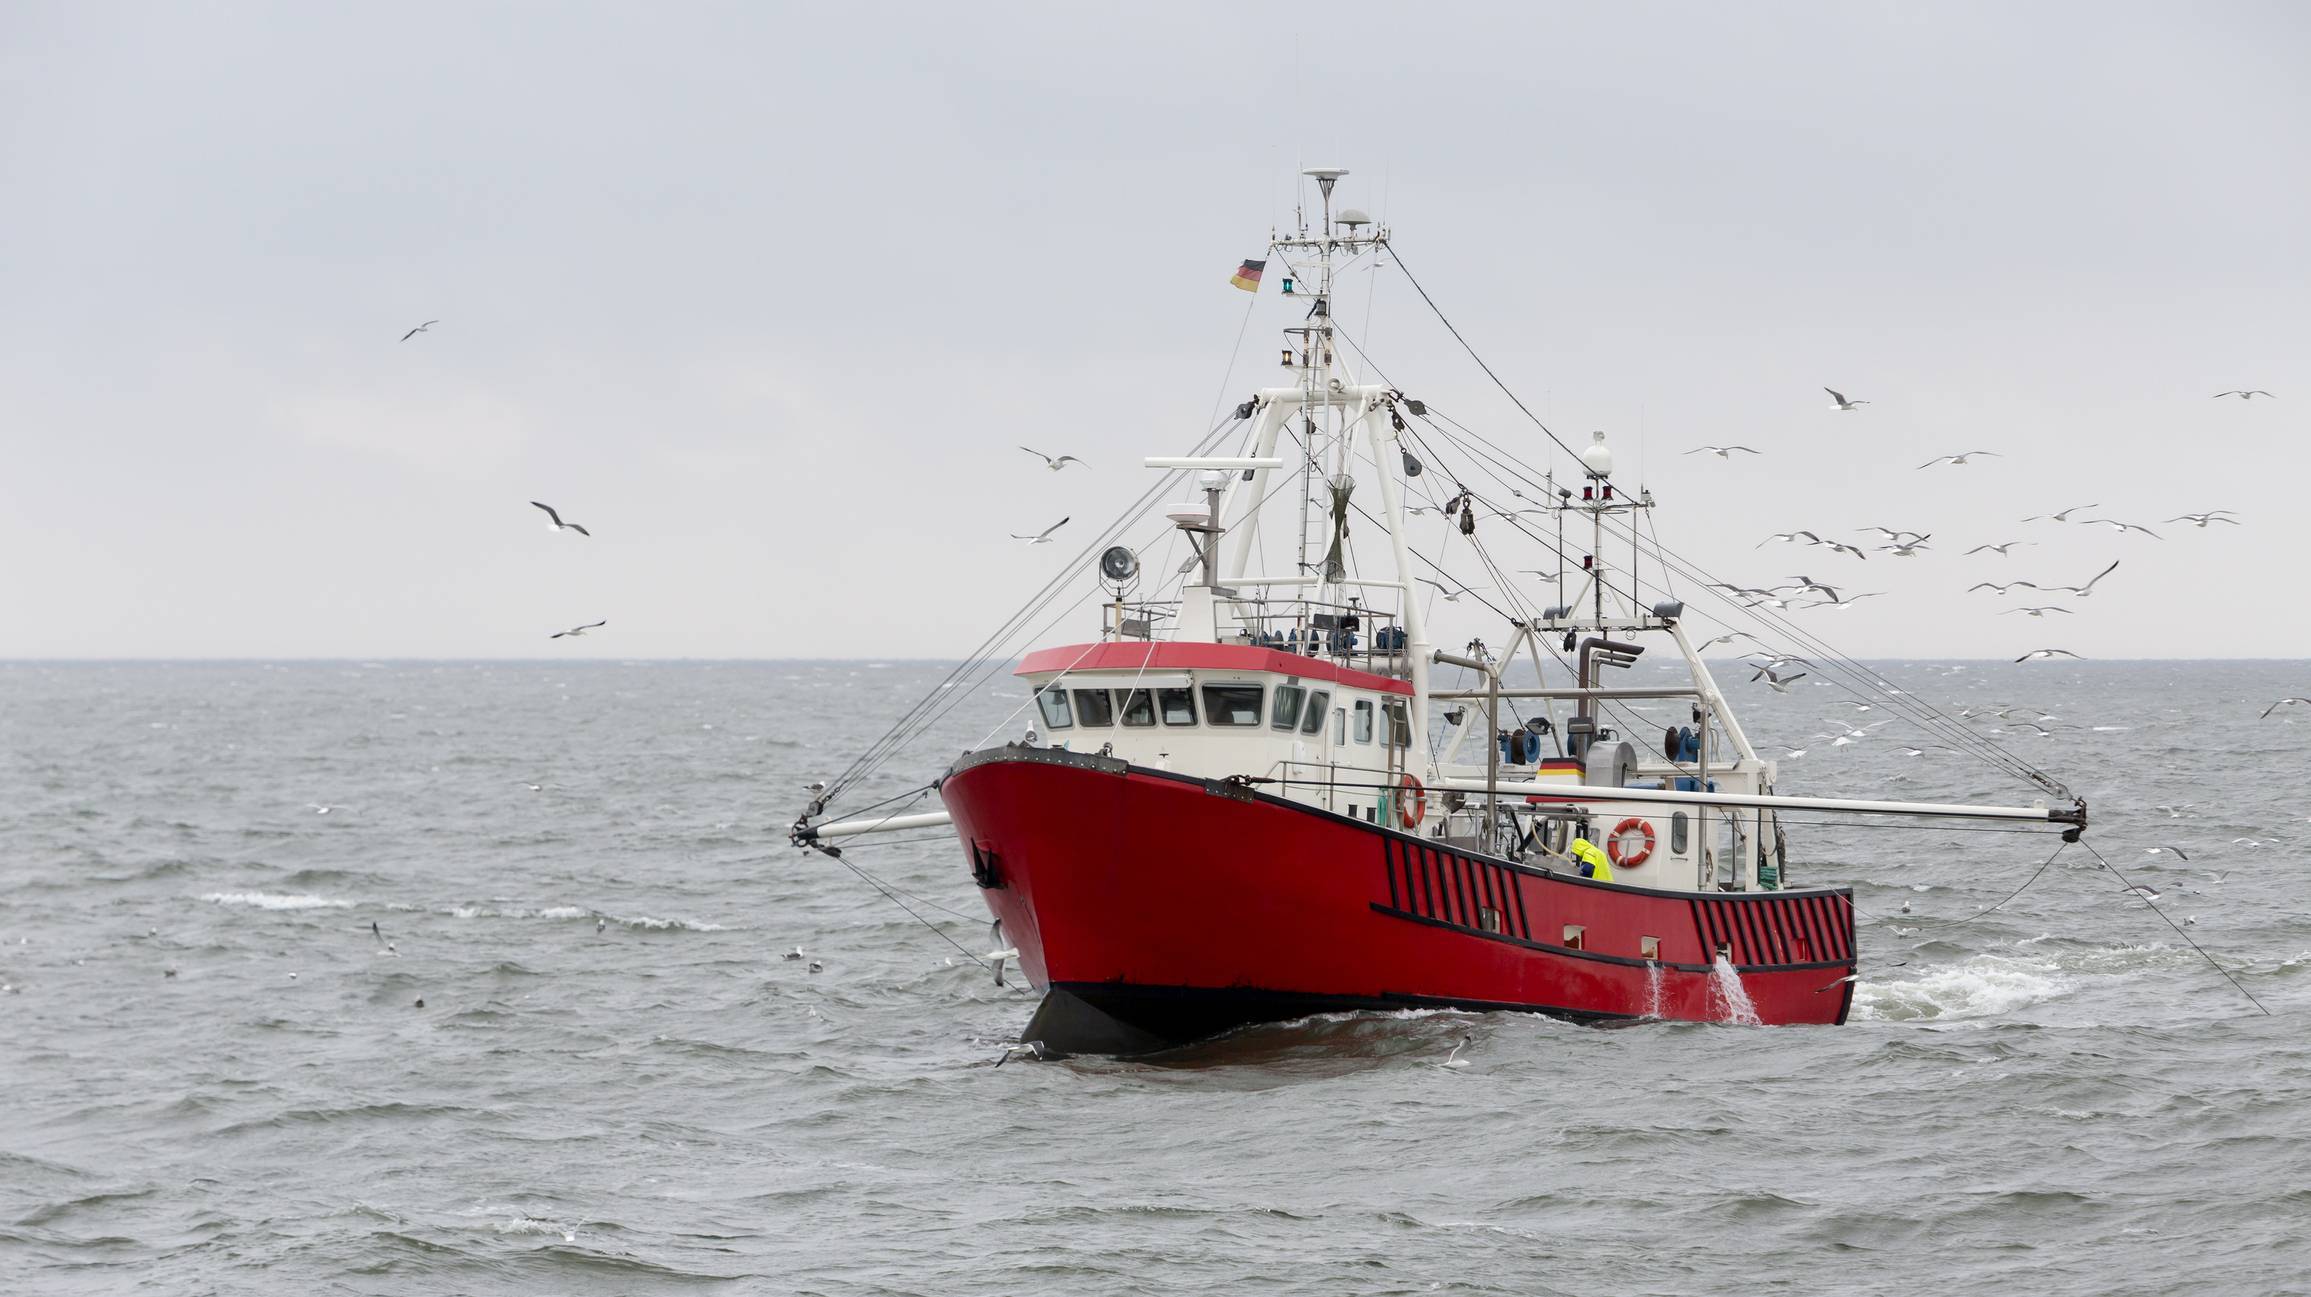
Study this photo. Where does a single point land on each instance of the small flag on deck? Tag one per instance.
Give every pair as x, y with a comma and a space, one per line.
1247, 276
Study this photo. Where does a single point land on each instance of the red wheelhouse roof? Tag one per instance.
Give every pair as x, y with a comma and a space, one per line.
1138, 656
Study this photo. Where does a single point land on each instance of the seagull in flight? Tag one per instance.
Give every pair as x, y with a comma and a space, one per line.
430, 323
1723, 452
576, 631
2120, 527
2000, 548
1450, 595
2035, 654
1778, 683
1905, 549
2064, 516
2202, 519
556, 522
2038, 610
1808, 583
1895, 536
1810, 538
1053, 464
2284, 702
2152, 851
1840, 605
1042, 537
1840, 398
1959, 460
1840, 547
2001, 589
2081, 591
1726, 638
2246, 395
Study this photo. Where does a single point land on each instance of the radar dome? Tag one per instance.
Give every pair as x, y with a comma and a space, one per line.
1598, 458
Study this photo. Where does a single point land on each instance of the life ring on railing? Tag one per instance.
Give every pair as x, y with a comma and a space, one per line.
1412, 808
1626, 828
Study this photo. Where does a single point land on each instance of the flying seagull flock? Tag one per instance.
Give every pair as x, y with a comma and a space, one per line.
1779, 671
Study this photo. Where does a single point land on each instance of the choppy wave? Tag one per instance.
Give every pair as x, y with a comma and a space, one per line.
278, 900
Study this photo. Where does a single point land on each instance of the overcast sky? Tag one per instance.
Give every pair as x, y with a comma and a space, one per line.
766, 296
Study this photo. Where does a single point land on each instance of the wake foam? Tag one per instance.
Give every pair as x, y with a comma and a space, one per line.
1986, 986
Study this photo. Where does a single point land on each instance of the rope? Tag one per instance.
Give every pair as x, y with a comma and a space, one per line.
2169, 921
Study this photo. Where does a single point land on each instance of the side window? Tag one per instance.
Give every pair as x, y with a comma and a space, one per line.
1139, 709
1287, 713
1313, 723
1094, 707
1339, 727
1680, 832
1178, 706
1399, 726
1233, 704
1363, 720
1056, 715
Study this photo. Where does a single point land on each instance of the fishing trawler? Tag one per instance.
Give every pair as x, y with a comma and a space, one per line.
1260, 791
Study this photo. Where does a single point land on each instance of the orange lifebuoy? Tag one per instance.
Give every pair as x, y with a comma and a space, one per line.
1412, 808
1632, 825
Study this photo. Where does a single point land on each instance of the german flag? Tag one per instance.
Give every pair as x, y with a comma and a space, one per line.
1247, 276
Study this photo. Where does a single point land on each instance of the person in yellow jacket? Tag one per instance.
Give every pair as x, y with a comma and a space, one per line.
1594, 862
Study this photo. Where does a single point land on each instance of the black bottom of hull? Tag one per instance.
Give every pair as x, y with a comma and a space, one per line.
1117, 1019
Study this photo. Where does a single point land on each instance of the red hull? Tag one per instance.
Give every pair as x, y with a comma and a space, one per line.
1176, 906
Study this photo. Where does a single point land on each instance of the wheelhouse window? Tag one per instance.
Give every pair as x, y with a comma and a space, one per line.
1177, 705
1286, 714
1094, 708
1056, 713
1363, 720
1313, 722
1233, 704
1680, 832
1399, 725
1138, 709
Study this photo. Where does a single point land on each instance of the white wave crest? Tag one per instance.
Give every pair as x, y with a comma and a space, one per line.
1985, 986
276, 901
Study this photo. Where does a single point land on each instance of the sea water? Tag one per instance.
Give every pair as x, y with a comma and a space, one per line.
616, 1085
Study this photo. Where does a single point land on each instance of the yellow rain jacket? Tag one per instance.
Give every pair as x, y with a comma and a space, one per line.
1589, 853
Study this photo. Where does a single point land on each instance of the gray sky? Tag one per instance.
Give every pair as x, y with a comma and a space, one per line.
767, 295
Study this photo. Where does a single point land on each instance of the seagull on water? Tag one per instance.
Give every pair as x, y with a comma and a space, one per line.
1054, 464
2284, 702
1453, 1059
1025, 1049
2035, 654
2082, 591
1840, 398
556, 520
430, 323
2064, 516
2202, 519
2000, 548
1788, 751
2039, 610
2248, 394
795, 953
576, 631
1723, 452
1042, 537
1959, 460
